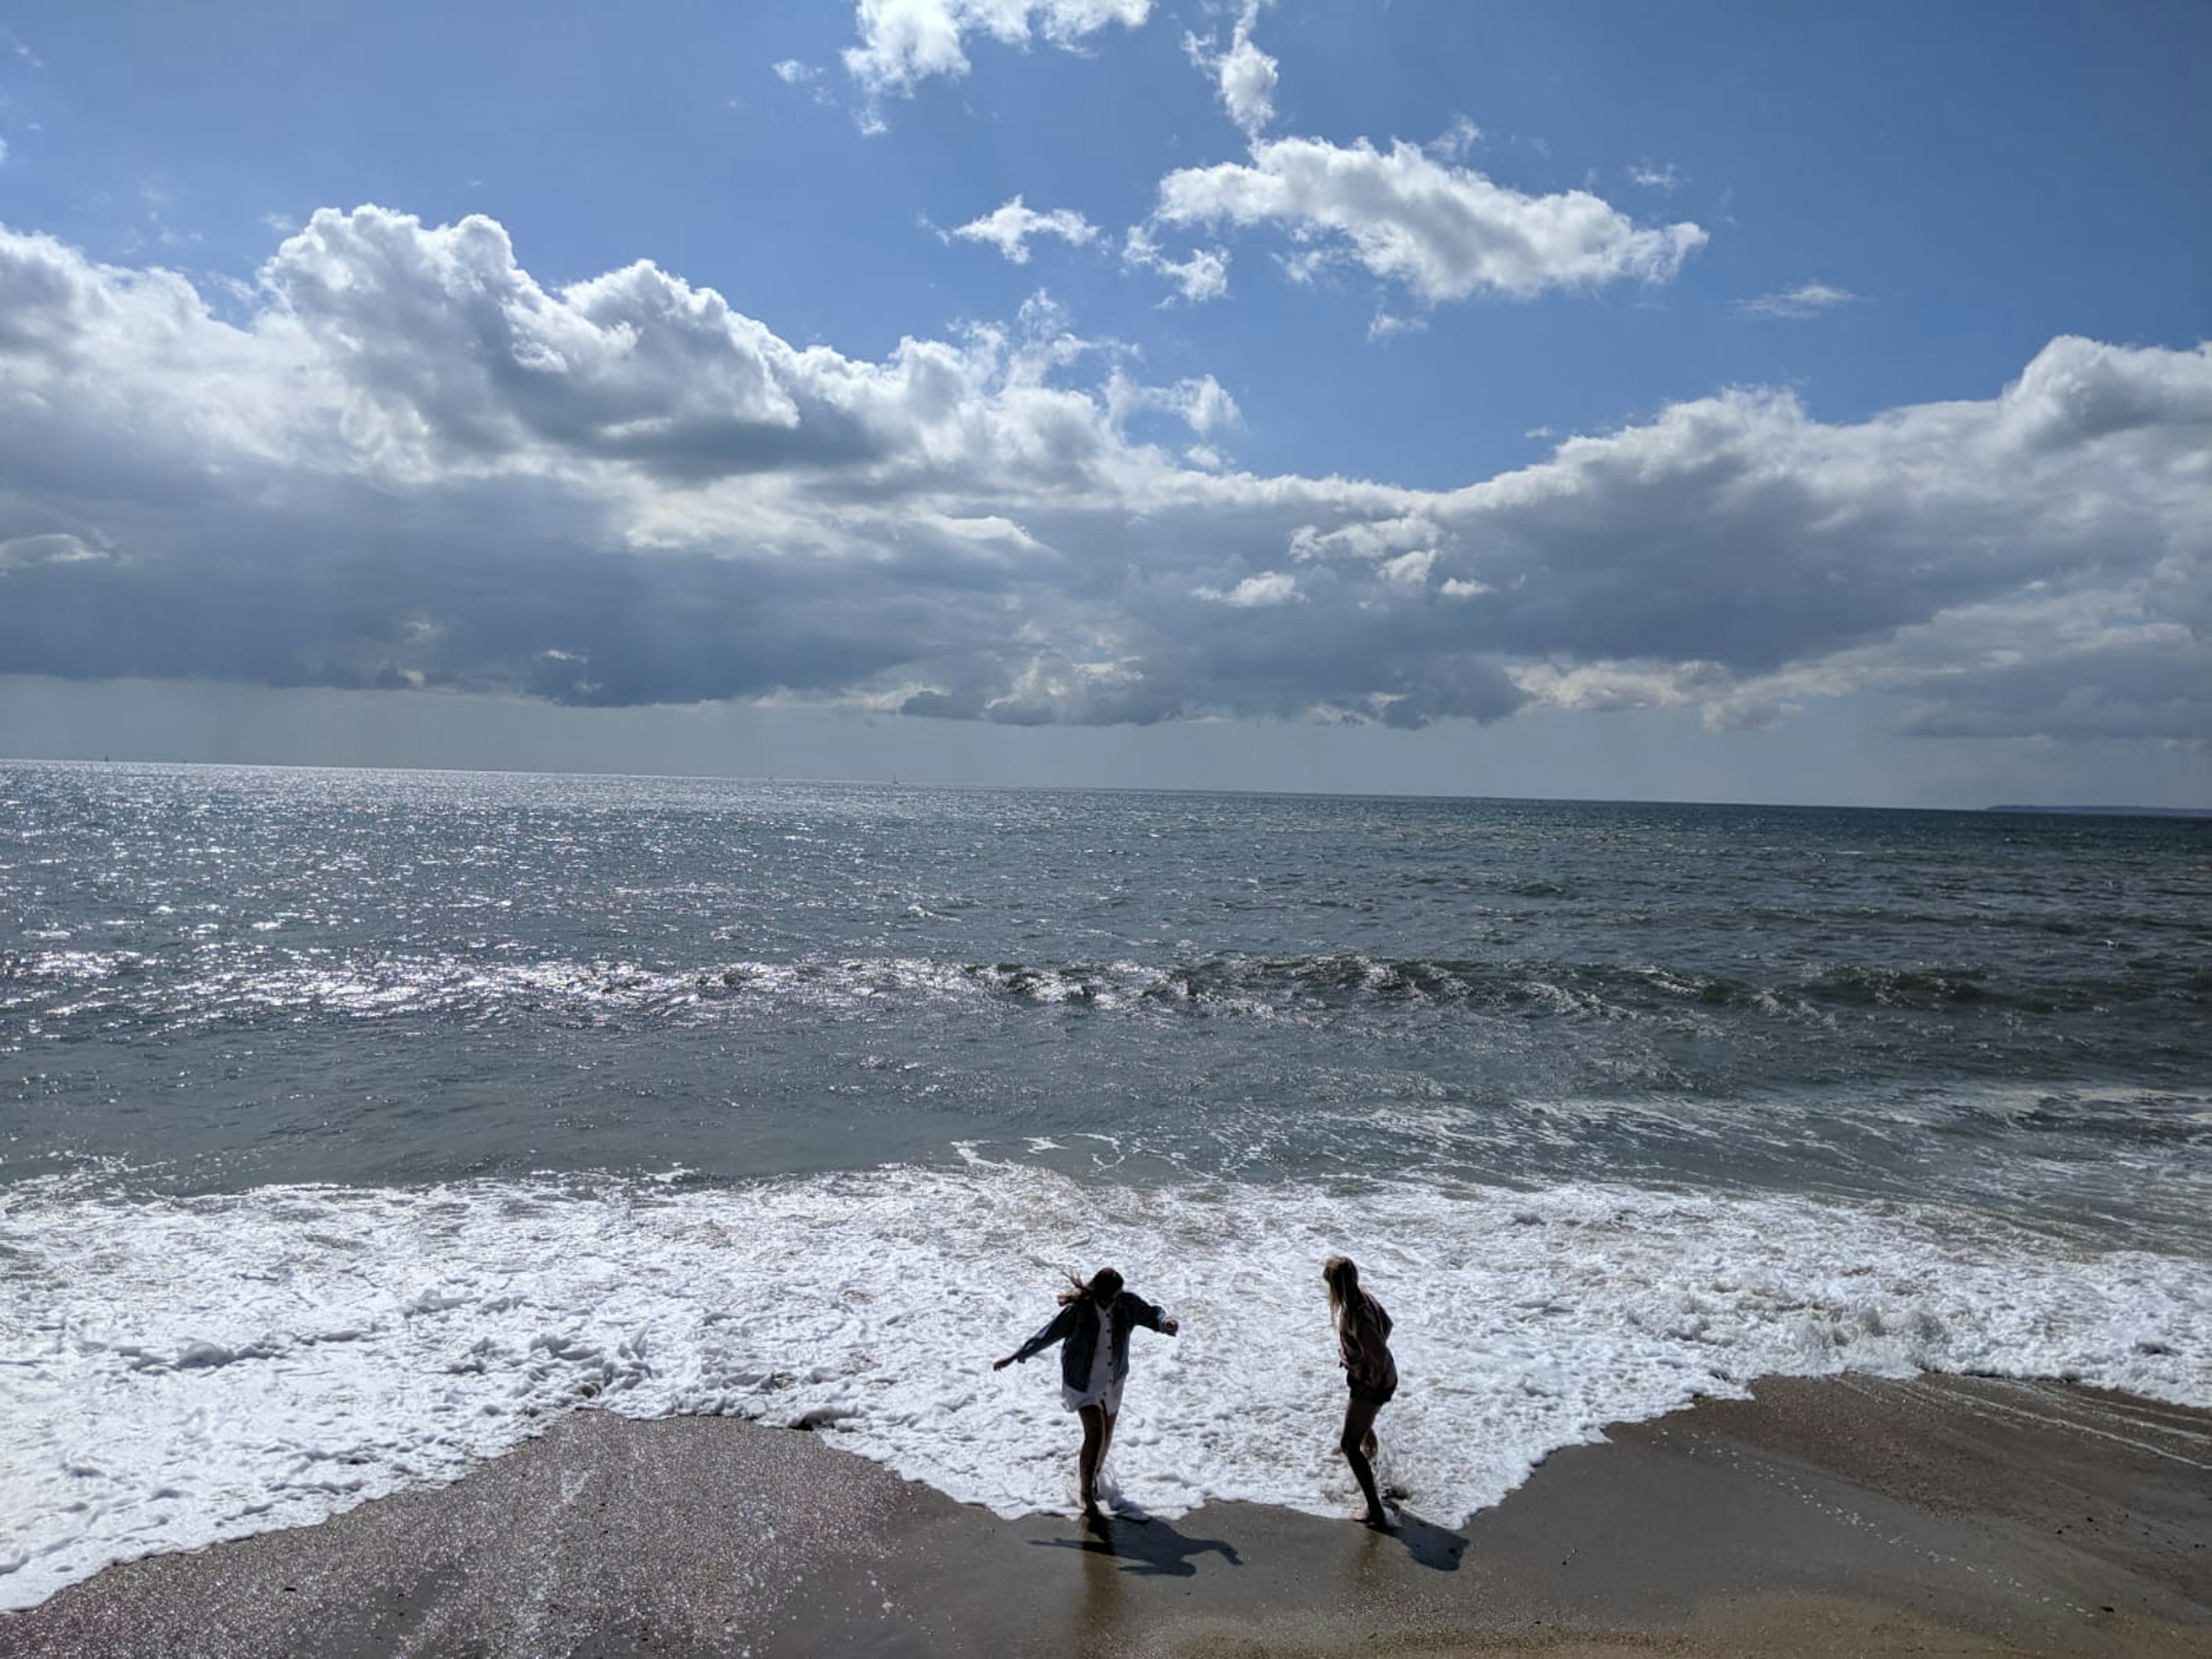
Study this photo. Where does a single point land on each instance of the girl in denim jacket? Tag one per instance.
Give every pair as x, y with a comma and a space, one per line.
1094, 1322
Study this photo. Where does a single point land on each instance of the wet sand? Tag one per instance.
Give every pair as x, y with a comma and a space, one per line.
1840, 1517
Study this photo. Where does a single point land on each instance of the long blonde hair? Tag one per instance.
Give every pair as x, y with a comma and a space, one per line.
1102, 1287
1341, 1274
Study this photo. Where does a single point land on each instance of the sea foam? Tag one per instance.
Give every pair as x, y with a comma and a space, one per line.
177, 1370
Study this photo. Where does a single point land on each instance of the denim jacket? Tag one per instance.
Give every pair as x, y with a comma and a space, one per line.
1074, 1325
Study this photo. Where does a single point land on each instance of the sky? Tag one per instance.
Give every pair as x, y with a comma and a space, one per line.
1745, 401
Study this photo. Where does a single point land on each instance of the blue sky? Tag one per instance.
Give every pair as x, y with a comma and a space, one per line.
1788, 402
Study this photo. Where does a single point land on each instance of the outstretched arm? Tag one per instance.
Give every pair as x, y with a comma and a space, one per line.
1146, 1314
1055, 1328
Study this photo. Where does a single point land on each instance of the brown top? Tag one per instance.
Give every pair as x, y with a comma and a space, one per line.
1362, 1344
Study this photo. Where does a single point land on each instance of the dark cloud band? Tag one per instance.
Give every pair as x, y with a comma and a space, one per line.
409, 465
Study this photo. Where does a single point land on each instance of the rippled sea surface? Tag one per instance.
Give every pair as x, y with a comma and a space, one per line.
214, 978
354, 1125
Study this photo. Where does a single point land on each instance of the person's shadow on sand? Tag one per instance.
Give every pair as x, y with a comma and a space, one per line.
1155, 1549
1152, 1549
1428, 1543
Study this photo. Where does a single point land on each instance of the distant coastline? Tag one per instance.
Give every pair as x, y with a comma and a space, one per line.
1002, 786
2113, 812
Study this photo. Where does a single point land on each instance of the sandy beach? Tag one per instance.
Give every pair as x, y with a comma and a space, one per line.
1941, 1516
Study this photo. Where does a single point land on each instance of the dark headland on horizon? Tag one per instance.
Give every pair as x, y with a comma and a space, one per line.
2112, 812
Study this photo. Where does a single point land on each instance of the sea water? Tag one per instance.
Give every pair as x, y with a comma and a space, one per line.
356, 1125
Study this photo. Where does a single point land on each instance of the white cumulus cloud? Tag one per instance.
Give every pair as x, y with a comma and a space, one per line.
1009, 227
1244, 76
402, 461
1413, 215
1443, 231
1274, 587
904, 42
1203, 275
1201, 402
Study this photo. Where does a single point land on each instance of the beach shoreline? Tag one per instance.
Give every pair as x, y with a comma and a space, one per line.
1821, 1516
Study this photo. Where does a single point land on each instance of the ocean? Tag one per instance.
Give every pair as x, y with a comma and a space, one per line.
355, 1125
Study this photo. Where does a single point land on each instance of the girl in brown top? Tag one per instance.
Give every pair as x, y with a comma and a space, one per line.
1363, 1347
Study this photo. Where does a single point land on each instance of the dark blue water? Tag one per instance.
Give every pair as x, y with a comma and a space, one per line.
214, 978
354, 1126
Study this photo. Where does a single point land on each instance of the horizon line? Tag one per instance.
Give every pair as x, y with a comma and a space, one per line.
2013, 808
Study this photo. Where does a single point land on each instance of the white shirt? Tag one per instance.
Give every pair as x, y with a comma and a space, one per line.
1102, 1353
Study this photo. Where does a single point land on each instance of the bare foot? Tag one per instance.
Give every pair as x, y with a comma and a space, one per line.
1387, 1521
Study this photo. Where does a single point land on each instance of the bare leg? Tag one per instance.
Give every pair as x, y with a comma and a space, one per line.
1096, 1428
1396, 1488
1355, 1443
1106, 1438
